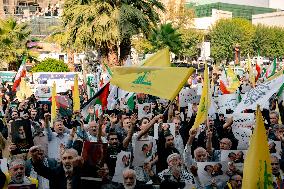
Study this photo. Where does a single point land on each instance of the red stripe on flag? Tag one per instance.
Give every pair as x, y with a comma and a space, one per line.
258, 69
103, 96
223, 88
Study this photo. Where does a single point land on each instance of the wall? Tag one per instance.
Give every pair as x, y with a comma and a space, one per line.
205, 22
269, 19
276, 4
256, 3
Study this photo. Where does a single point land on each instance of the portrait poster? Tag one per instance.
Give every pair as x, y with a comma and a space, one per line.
22, 186
275, 148
94, 153
144, 110
188, 95
165, 127
123, 162
22, 136
4, 165
209, 172
243, 137
236, 156
143, 152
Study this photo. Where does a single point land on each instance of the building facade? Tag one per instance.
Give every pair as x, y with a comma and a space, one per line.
269, 19
241, 11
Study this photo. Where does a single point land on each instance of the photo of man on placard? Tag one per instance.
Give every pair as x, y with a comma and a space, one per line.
21, 136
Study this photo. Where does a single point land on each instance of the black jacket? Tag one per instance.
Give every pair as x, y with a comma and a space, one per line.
56, 176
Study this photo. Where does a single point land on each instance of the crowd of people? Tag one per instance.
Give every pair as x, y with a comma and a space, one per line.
62, 153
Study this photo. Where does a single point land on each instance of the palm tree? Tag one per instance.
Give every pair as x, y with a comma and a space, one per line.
108, 25
166, 36
13, 40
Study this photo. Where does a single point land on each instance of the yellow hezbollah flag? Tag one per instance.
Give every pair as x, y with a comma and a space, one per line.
204, 103
24, 92
162, 82
53, 104
159, 59
257, 167
277, 110
76, 98
233, 80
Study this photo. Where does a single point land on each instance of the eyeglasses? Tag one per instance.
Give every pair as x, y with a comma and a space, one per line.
274, 163
113, 139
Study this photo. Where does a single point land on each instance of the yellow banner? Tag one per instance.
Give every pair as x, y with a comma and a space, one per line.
76, 97
257, 165
204, 103
162, 82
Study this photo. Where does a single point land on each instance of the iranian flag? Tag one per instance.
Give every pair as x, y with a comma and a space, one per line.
257, 67
271, 70
224, 83
21, 73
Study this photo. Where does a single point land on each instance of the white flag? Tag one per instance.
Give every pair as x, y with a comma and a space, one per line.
112, 97
260, 94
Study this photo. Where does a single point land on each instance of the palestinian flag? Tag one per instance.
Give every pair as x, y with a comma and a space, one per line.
99, 98
271, 69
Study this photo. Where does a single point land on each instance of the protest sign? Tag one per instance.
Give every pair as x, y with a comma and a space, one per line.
243, 120
209, 172
260, 94
94, 153
43, 77
22, 186
188, 95
43, 92
226, 102
143, 152
7, 76
144, 110
275, 148
243, 136
163, 127
236, 156
122, 163
4, 165
22, 136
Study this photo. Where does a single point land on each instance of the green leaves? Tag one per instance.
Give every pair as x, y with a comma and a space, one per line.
166, 36
105, 25
50, 65
269, 41
226, 33
13, 40
191, 39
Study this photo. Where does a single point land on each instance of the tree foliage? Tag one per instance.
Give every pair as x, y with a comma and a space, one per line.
166, 36
269, 41
50, 65
226, 33
178, 14
109, 25
191, 39
13, 40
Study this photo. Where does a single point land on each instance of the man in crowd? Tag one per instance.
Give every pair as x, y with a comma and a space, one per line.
16, 174
64, 176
